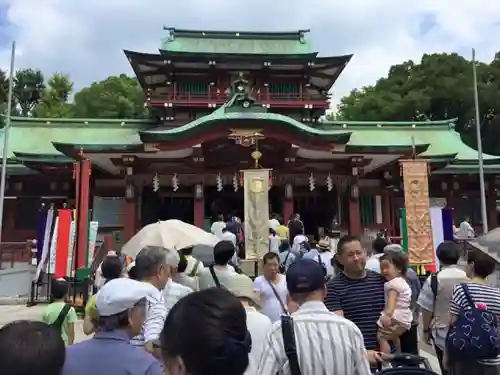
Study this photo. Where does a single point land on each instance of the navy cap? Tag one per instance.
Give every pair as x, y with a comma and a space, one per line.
305, 276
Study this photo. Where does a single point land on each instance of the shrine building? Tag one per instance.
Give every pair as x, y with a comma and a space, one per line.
217, 99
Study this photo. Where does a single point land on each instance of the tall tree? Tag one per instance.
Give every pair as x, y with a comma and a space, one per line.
115, 97
4, 86
54, 99
439, 87
27, 90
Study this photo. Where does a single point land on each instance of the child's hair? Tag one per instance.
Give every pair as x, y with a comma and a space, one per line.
398, 258
59, 288
111, 267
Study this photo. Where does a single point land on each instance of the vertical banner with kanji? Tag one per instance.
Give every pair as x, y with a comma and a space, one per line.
256, 205
41, 266
418, 222
63, 242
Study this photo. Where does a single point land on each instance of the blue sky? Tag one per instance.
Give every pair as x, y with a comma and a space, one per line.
85, 38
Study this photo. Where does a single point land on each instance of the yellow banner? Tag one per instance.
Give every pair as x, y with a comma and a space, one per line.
418, 221
256, 201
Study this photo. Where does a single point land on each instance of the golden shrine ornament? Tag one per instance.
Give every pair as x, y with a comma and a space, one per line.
245, 137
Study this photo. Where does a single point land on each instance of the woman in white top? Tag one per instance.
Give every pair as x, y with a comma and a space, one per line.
274, 241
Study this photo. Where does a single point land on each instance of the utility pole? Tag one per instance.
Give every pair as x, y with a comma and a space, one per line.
484, 214
5, 151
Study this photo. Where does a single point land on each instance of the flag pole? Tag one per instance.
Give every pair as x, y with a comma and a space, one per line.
484, 215
5, 151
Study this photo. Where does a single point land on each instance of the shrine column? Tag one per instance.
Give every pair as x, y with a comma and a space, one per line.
199, 206
129, 218
288, 208
130, 202
354, 214
81, 174
491, 205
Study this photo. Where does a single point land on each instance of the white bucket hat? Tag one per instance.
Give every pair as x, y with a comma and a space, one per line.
242, 287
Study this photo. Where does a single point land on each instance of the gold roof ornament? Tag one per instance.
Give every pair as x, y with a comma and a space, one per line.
245, 137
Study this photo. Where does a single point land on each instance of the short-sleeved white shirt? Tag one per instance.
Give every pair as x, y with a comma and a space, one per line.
271, 307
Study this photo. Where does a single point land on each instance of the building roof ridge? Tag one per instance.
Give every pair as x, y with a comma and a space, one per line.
83, 122
232, 34
428, 124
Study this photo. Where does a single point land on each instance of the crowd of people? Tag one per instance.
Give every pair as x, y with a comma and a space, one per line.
310, 312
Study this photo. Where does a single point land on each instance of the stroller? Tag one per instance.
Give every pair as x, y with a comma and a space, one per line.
407, 364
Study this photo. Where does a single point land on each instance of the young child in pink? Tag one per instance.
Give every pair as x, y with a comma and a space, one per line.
397, 317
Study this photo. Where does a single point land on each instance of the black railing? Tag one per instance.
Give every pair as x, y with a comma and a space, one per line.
79, 290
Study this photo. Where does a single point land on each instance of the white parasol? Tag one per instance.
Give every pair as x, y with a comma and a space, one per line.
170, 234
488, 243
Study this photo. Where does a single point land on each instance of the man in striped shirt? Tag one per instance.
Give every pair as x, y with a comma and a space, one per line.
326, 344
356, 293
154, 266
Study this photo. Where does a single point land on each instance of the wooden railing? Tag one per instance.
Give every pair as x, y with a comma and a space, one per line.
14, 252
221, 96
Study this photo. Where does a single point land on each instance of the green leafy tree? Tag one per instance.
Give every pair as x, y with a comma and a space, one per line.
54, 99
4, 86
115, 97
439, 87
27, 91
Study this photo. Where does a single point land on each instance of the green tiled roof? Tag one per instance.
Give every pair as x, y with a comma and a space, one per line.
222, 115
234, 42
441, 137
33, 139
36, 135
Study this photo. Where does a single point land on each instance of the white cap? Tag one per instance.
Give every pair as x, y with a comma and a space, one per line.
121, 294
242, 286
394, 247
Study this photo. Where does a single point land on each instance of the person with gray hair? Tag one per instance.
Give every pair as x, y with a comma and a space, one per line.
154, 265
121, 305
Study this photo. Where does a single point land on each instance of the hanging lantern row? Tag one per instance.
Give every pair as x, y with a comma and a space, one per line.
175, 182
156, 182
238, 181
312, 182
219, 182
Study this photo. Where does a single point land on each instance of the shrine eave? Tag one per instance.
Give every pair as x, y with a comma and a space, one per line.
271, 57
377, 149
15, 168
468, 169
24, 157
474, 162
221, 119
73, 150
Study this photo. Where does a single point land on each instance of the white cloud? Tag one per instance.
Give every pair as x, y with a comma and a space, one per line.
86, 38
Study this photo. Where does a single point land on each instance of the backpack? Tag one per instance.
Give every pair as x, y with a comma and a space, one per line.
57, 324
320, 261
475, 334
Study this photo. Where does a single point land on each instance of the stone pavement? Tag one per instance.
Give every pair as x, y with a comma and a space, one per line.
428, 352
20, 312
